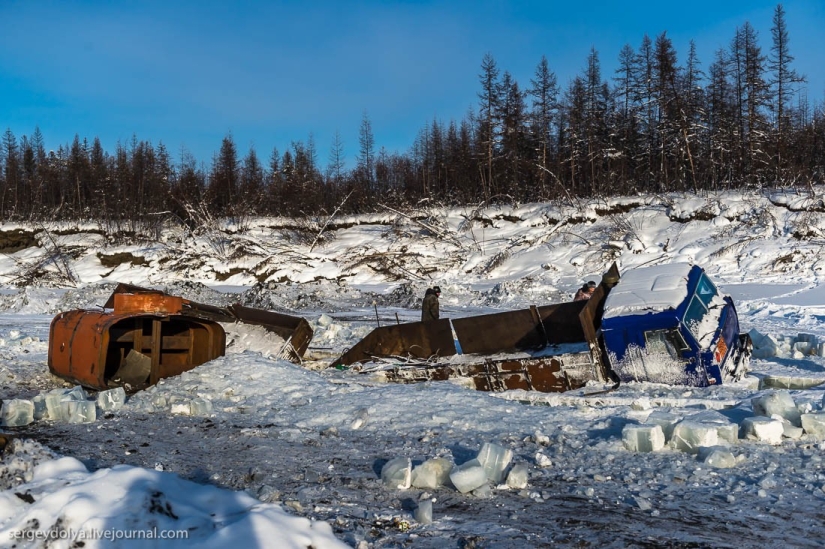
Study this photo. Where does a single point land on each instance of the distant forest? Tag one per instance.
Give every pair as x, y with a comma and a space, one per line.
656, 126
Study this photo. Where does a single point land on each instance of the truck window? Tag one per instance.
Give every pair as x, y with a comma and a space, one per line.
705, 290
694, 315
669, 341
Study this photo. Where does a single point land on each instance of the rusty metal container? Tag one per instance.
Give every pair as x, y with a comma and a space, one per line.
144, 339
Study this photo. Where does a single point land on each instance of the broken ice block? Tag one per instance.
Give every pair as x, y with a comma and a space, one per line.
17, 412
200, 407
643, 438
111, 400
397, 473
495, 460
718, 456
725, 429
517, 477
468, 476
54, 409
40, 411
764, 429
432, 474
424, 511
814, 424
75, 393
181, 408
689, 436
777, 403
666, 420
79, 411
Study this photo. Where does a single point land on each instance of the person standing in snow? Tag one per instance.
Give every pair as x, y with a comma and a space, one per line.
585, 292
429, 307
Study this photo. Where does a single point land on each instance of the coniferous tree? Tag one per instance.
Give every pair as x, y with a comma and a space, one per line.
784, 81
223, 180
544, 108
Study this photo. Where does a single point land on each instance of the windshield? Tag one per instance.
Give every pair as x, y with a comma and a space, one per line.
705, 298
705, 290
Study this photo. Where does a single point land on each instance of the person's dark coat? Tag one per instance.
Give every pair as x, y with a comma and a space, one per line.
429, 307
585, 292
582, 295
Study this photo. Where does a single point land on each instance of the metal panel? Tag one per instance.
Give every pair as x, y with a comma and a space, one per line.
416, 339
296, 331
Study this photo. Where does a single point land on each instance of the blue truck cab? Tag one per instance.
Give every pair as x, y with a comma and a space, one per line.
670, 324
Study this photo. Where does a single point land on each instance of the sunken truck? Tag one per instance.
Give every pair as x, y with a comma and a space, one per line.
663, 324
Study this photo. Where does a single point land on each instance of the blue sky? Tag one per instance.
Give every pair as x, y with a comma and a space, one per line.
188, 72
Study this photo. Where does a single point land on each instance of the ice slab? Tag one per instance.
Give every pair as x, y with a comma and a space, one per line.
814, 424
666, 420
17, 412
111, 399
424, 512
397, 473
776, 403
40, 411
78, 411
75, 393
200, 407
468, 476
791, 382
725, 429
517, 477
764, 429
431, 474
719, 457
643, 438
689, 436
495, 460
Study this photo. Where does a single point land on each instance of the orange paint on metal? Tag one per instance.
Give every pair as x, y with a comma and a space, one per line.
147, 302
96, 348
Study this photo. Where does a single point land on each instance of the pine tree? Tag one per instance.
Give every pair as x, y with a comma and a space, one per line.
784, 82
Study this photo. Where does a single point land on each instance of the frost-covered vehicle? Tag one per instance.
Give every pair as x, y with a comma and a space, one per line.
671, 324
666, 324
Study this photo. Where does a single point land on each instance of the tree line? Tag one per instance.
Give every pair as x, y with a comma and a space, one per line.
656, 125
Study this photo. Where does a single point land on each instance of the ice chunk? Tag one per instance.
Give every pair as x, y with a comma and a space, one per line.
689, 436
111, 399
468, 476
814, 424
789, 431
719, 457
791, 382
517, 477
40, 411
725, 429
641, 404
200, 407
666, 420
181, 408
396, 473
17, 412
54, 410
75, 393
777, 403
78, 411
643, 438
432, 474
424, 512
756, 337
764, 429
543, 461
495, 460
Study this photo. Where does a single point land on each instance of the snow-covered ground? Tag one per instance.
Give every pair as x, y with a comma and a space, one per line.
275, 454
